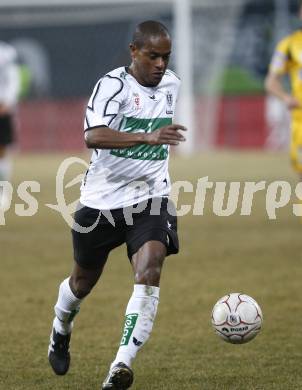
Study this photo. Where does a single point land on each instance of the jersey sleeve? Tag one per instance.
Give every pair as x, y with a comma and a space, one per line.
280, 62
178, 86
105, 102
176, 82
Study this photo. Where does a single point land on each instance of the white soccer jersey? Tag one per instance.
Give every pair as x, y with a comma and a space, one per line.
9, 75
118, 178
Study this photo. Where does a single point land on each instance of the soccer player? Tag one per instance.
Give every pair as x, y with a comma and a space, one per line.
9, 91
125, 192
287, 60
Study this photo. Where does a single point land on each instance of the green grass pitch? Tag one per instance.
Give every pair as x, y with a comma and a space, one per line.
254, 255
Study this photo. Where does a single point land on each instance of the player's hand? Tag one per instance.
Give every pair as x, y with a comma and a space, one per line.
167, 135
291, 102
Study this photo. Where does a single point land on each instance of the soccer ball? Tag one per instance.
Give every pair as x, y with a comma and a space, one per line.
237, 318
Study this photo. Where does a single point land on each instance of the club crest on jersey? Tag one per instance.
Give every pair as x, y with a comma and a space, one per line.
136, 101
169, 110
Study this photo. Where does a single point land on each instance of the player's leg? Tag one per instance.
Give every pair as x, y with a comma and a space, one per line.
140, 313
141, 310
6, 138
296, 147
72, 291
151, 239
296, 154
5, 175
90, 254
5, 166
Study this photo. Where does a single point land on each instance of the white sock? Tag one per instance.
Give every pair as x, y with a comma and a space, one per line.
140, 315
67, 306
5, 168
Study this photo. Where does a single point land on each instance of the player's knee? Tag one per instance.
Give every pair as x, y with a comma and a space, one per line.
149, 276
80, 287
150, 273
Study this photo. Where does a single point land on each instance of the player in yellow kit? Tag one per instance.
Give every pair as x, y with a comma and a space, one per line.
287, 60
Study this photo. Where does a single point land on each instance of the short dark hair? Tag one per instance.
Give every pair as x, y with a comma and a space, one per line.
147, 29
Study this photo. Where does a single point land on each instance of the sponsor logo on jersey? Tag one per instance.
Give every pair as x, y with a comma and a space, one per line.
143, 152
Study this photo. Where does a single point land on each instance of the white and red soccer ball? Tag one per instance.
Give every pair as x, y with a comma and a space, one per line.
237, 318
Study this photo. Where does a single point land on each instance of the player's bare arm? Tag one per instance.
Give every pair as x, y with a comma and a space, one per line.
106, 138
274, 86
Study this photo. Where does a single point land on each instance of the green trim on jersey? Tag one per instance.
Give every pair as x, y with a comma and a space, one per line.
143, 152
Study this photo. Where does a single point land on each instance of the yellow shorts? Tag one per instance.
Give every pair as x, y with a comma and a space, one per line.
296, 145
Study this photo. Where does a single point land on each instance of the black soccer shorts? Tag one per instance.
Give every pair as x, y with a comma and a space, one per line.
91, 249
6, 130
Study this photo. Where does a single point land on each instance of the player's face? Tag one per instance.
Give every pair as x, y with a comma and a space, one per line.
150, 62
